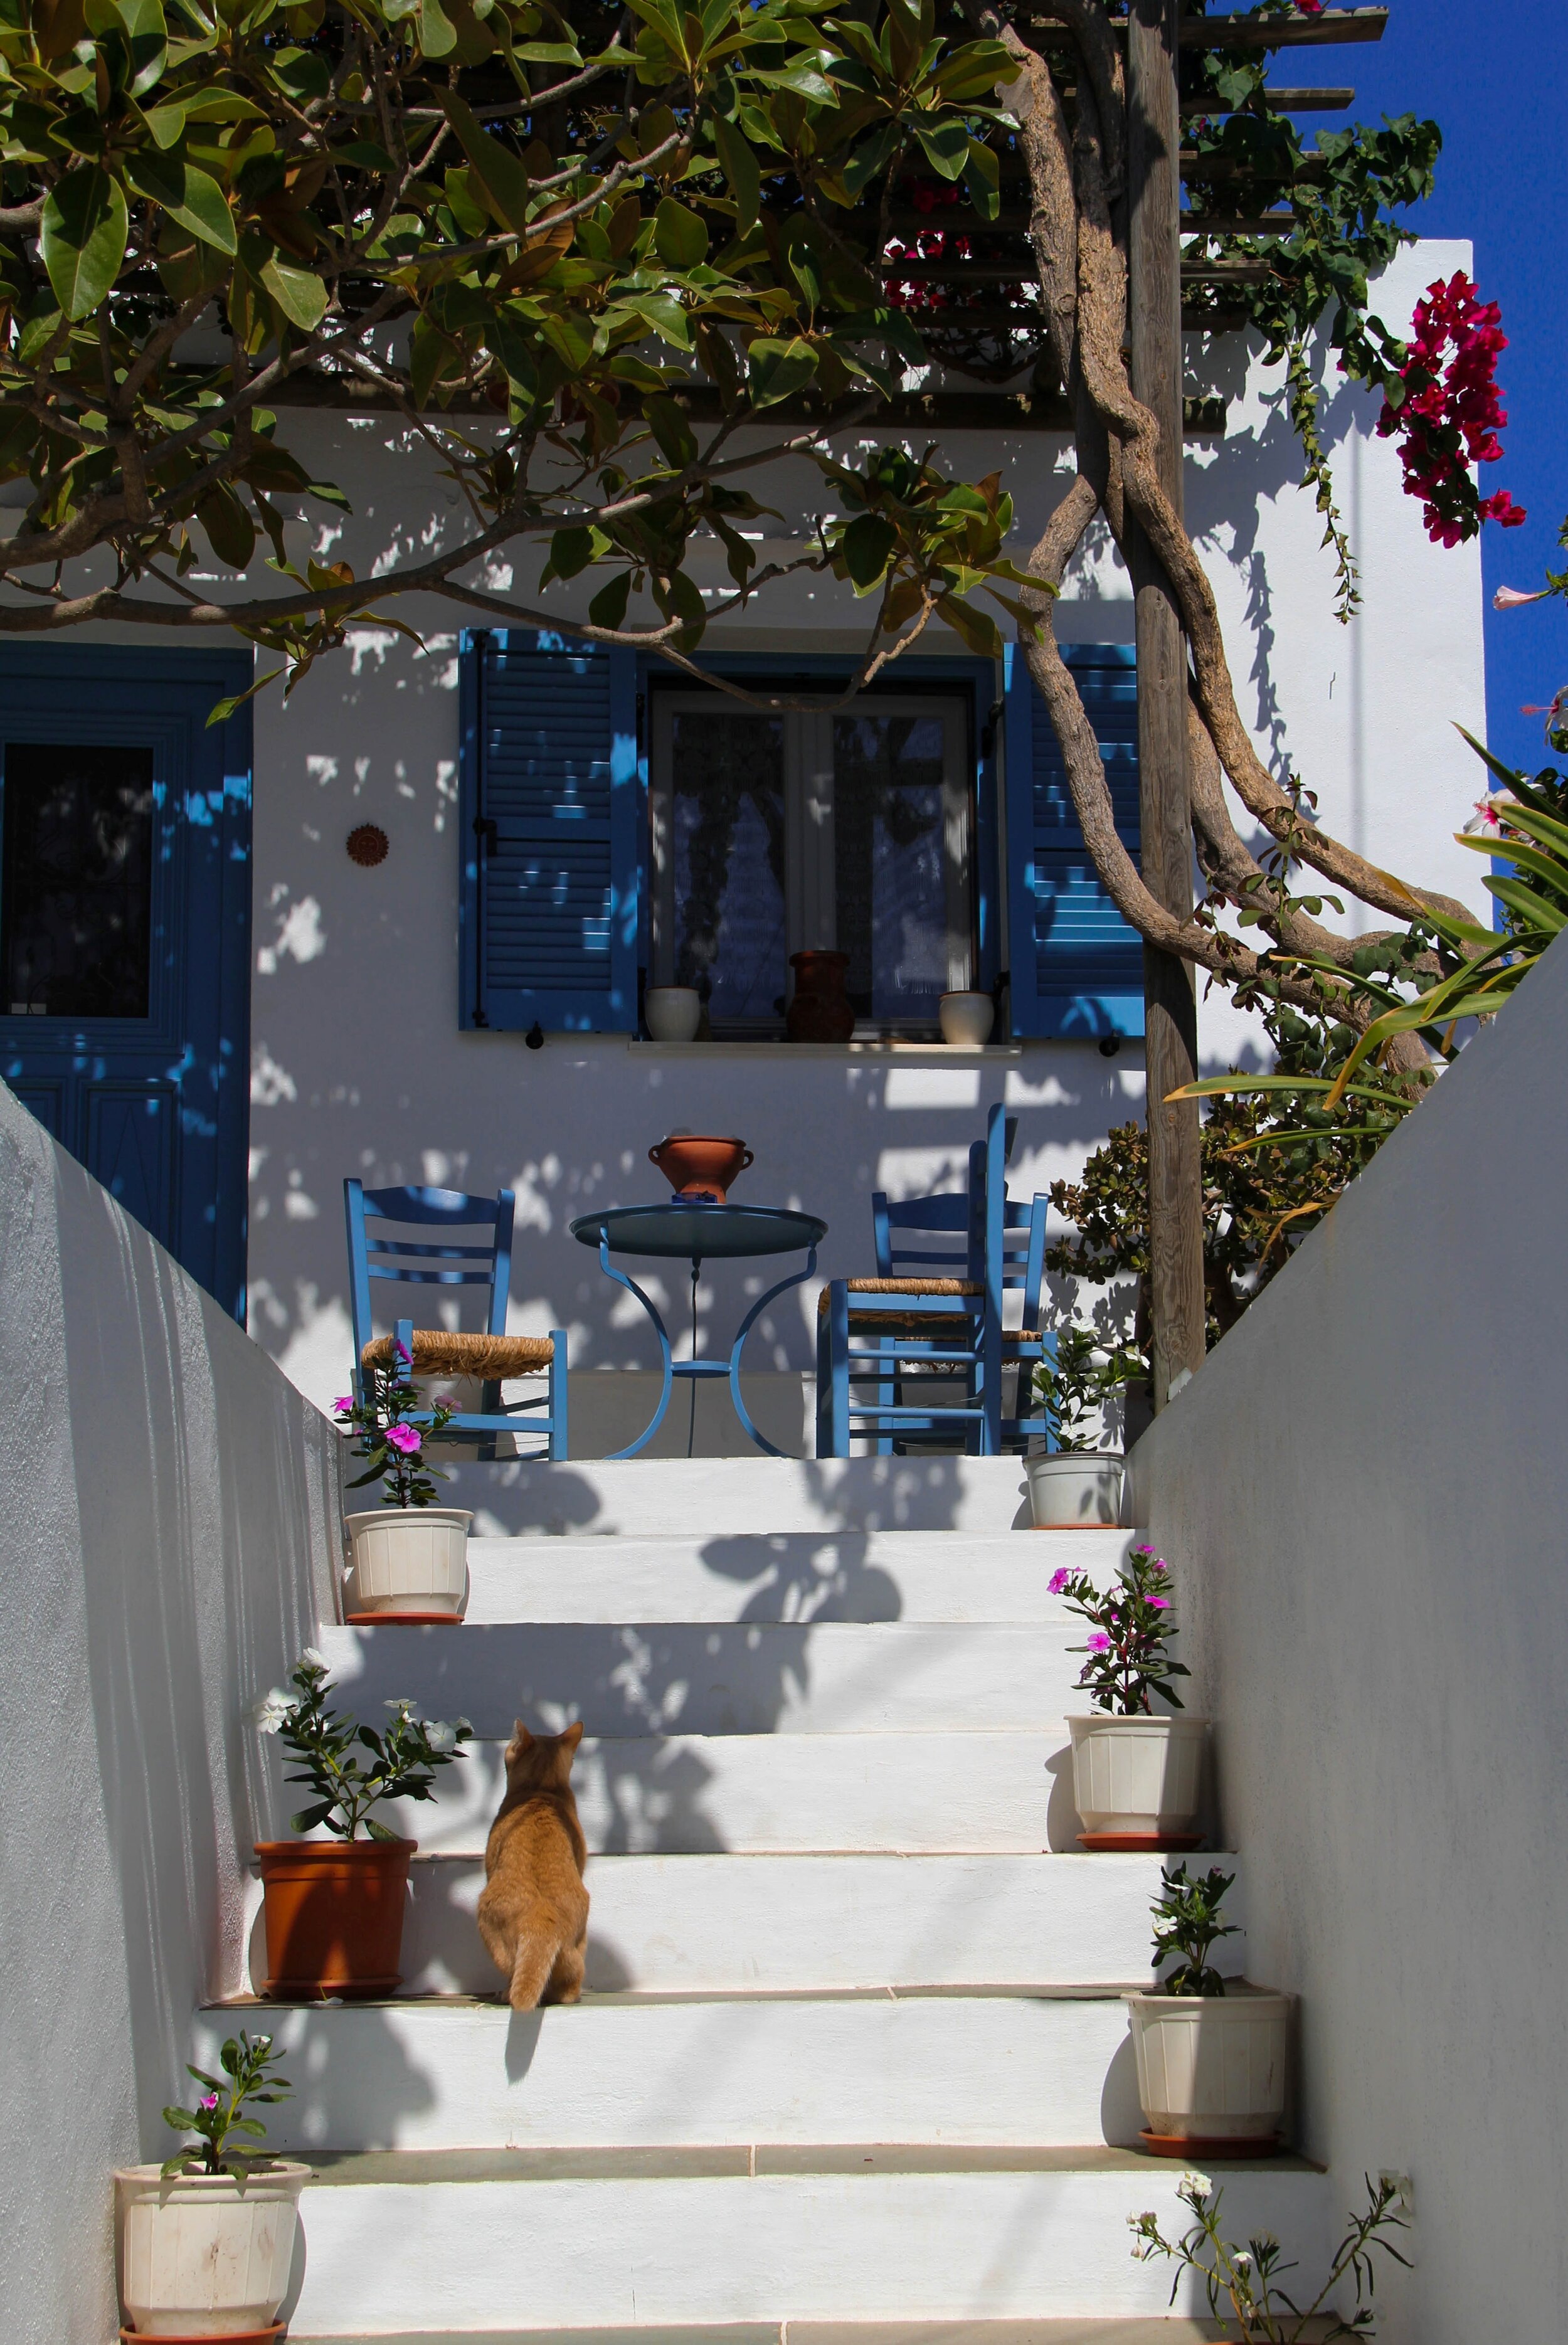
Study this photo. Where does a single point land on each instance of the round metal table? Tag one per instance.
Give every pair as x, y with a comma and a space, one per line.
697, 1234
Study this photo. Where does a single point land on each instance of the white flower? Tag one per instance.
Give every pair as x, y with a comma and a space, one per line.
271, 1710
400, 1702
463, 1727
1191, 2183
1242, 2260
312, 1659
439, 1736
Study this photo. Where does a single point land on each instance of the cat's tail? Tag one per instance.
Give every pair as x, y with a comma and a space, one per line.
531, 1965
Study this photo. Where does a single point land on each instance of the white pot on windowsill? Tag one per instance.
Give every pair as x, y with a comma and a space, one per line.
205, 2255
1075, 1489
1137, 1783
672, 1012
966, 1020
1212, 2070
407, 1563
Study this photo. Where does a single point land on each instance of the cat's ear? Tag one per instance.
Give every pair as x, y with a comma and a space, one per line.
523, 1739
574, 1734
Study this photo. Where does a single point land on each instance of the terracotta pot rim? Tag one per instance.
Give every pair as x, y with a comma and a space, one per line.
315, 1850
208, 2336
700, 1140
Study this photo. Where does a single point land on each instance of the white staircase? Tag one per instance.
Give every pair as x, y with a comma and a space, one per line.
853, 2062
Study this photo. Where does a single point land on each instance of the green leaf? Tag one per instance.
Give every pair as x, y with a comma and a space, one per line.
743, 172
680, 237
83, 238
668, 425
945, 147
866, 546
378, 1831
192, 197
609, 607
501, 177
303, 73
777, 369
437, 33
298, 293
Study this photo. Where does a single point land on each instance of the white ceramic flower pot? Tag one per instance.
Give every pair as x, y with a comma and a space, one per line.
1211, 2069
1075, 1489
673, 1012
966, 1018
407, 1563
1138, 1781
205, 2255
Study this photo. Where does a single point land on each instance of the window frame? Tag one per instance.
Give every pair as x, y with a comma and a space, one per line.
810, 878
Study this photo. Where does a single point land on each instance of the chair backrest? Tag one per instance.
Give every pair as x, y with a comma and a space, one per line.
950, 1214
433, 1257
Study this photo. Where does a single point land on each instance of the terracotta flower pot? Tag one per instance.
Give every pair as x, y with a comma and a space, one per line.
334, 1913
820, 1012
699, 1167
205, 2255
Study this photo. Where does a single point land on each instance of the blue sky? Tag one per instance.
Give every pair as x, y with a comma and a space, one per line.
1494, 75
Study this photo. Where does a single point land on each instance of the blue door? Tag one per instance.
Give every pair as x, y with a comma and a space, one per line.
125, 931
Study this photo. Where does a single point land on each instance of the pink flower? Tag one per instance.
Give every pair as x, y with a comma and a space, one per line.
403, 1437
1099, 1643
1159, 1604
1509, 598
404, 1353
207, 2101
1484, 808
1058, 1581
343, 1403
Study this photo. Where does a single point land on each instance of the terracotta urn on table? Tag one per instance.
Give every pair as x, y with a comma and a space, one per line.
699, 1167
820, 1012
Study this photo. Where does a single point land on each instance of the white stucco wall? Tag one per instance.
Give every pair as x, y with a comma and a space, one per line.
171, 1515
1363, 1494
360, 1065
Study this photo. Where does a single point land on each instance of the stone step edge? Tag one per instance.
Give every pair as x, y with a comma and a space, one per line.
639, 1999
1158, 2328
750, 2161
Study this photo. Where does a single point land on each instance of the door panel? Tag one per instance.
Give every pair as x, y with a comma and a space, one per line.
125, 920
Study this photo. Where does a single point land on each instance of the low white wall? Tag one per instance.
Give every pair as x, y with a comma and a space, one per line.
1364, 1494
170, 1505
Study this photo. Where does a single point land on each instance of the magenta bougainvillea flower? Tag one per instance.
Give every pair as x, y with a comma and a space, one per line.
1451, 411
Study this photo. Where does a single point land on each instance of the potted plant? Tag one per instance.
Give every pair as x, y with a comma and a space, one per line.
1248, 2279
408, 1558
1137, 1775
966, 1020
1211, 2052
205, 2242
334, 1907
1078, 1484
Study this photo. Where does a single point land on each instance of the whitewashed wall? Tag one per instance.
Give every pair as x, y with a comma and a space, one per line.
360, 1065
171, 1513
1363, 1493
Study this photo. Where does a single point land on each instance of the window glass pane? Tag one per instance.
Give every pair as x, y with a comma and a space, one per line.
76, 886
728, 843
891, 887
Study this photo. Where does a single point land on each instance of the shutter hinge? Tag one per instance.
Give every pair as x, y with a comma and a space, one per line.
487, 829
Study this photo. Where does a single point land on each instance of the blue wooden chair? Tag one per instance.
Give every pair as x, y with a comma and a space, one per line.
916, 1321
431, 1257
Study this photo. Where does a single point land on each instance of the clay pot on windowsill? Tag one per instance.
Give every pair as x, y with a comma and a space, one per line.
699, 1167
205, 2255
1212, 2071
333, 1911
966, 1020
820, 1012
672, 1012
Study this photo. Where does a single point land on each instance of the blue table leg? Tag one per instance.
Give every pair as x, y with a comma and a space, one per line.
747, 1325
665, 1354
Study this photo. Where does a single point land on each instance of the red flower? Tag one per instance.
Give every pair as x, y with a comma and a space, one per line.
1451, 412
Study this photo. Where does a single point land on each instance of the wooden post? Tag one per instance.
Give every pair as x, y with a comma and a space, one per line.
1175, 1191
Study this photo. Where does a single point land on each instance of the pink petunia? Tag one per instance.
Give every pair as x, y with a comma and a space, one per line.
1058, 1581
1099, 1643
403, 1437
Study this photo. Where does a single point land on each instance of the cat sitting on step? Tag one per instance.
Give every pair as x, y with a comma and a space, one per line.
534, 1908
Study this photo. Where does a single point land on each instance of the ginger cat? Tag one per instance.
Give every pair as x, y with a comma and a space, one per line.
534, 1908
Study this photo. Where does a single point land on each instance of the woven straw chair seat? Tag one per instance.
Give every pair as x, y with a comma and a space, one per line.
891, 1322
437, 1351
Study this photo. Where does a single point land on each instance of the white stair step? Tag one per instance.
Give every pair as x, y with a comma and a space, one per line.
876, 2067
783, 1576
833, 2242
686, 1794
1088, 2328
728, 1924
885, 1677
702, 1497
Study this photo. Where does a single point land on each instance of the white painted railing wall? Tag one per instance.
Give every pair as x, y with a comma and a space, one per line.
170, 1507
1365, 1494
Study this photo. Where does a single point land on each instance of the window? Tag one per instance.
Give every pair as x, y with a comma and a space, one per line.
846, 829
75, 880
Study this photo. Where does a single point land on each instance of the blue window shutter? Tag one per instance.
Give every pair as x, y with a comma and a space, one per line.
1077, 969
550, 834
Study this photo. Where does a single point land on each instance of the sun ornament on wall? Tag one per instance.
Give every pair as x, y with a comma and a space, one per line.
367, 844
